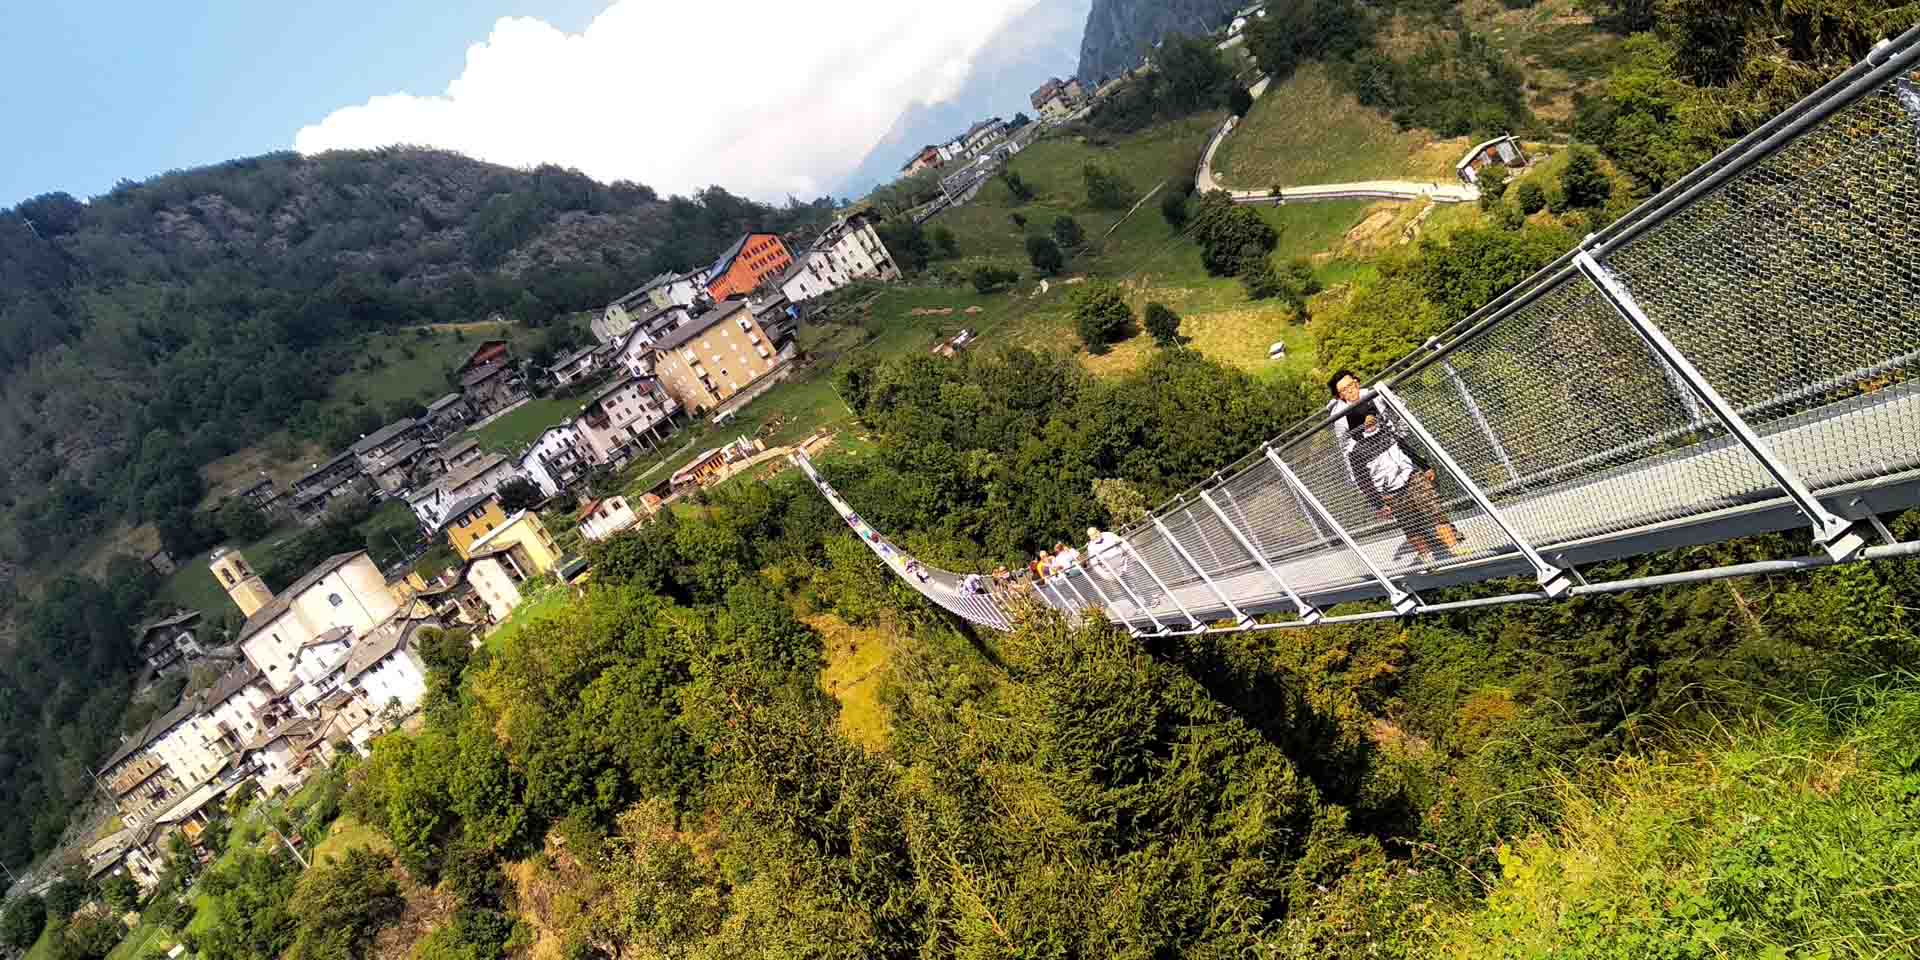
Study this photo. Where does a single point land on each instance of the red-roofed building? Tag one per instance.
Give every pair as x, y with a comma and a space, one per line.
751, 259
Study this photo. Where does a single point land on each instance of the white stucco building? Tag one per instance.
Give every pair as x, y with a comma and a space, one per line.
556, 459
628, 416
849, 250
485, 475
601, 519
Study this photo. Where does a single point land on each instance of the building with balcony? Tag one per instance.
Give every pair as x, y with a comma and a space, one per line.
625, 417
600, 519
751, 260
556, 459
506, 558
847, 251
665, 291
168, 641
724, 357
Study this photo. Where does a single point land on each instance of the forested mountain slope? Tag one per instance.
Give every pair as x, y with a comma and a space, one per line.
1120, 31
172, 321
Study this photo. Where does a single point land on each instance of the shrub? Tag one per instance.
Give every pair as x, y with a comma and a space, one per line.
1105, 188
1019, 221
1173, 209
1101, 316
1045, 255
945, 242
22, 922
1530, 197
1493, 186
1016, 185
1583, 182
985, 279
1240, 100
1067, 232
1163, 324
1225, 231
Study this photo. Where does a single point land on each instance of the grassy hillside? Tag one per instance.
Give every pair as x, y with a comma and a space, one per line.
1308, 130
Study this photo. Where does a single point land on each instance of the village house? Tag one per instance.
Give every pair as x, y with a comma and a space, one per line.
578, 365
847, 251
481, 476
745, 265
984, 134
489, 389
488, 353
315, 643
600, 519
624, 417
260, 493
928, 158
453, 456
716, 464
168, 641
507, 557
471, 520
722, 359
446, 415
1502, 151
387, 454
556, 459
636, 307
316, 490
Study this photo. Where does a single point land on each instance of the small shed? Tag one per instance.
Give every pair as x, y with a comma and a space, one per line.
1502, 151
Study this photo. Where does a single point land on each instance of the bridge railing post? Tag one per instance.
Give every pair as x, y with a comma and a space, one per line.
1106, 603
1839, 537
1239, 618
1308, 612
1165, 590
1404, 602
1138, 604
1552, 579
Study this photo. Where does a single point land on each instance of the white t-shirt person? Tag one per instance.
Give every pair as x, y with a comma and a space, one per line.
1107, 553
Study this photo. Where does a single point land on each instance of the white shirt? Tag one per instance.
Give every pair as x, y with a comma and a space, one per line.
1109, 555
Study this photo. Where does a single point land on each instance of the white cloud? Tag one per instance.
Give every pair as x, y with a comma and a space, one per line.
763, 97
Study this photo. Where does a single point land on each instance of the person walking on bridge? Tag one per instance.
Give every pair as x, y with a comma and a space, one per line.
1344, 385
1397, 483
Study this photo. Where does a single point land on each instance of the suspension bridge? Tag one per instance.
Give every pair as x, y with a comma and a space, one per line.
1733, 357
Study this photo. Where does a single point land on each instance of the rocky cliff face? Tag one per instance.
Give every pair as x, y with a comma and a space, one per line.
1119, 32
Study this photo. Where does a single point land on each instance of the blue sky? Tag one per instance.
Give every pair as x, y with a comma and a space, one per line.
106, 89
94, 91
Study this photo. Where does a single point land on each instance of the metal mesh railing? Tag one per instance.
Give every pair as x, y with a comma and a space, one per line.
1746, 341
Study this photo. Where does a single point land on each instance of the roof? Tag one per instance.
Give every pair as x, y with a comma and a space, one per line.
279, 604
630, 295
725, 263
699, 325
378, 643
481, 374
463, 446
485, 345
982, 125
177, 618
474, 551
571, 357
400, 457
336, 460
467, 474
232, 682
291, 727
207, 792
442, 403
610, 389
334, 635
381, 436
463, 506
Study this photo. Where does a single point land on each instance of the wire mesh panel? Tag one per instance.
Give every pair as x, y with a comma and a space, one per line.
1280, 524
1362, 491
1795, 286
1599, 432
